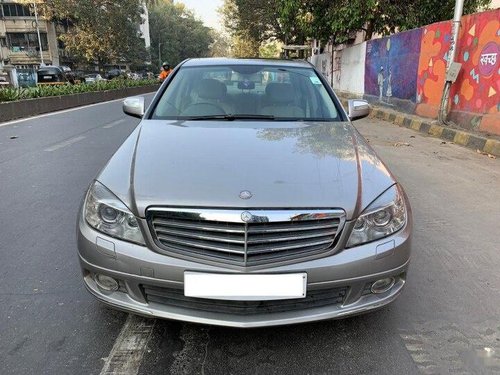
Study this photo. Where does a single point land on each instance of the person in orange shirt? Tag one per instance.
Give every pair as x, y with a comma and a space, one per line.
165, 71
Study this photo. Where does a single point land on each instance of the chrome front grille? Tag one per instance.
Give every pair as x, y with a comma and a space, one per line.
245, 238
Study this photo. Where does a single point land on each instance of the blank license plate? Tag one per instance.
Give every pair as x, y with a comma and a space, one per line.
245, 287
47, 77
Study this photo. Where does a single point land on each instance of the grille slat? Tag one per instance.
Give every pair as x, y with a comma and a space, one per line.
189, 224
276, 236
313, 299
202, 244
260, 249
253, 239
292, 227
201, 235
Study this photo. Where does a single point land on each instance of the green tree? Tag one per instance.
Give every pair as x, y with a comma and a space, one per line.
252, 22
270, 50
101, 30
338, 20
221, 45
244, 46
176, 34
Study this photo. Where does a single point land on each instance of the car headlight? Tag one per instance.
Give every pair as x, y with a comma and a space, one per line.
106, 213
383, 217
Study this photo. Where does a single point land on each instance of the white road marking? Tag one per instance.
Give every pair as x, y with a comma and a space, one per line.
127, 352
66, 143
114, 123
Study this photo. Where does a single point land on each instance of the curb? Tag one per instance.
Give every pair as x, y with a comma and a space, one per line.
460, 137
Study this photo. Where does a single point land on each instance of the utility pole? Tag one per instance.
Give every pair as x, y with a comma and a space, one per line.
159, 54
443, 109
39, 39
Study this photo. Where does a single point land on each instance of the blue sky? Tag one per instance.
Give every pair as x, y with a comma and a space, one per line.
206, 10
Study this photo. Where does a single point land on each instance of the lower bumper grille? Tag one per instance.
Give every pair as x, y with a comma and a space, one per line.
176, 298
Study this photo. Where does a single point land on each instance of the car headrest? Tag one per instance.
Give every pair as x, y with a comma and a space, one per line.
280, 92
211, 89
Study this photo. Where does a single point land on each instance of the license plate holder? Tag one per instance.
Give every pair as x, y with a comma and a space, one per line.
245, 287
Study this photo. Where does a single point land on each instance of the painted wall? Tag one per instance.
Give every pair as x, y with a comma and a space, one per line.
391, 68
475, 100
406, 71
351, 73
435, 44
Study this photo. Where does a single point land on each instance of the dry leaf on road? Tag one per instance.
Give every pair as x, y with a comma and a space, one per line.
398, 144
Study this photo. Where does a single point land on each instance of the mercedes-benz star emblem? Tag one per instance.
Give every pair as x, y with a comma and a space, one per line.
245, 194
246, 216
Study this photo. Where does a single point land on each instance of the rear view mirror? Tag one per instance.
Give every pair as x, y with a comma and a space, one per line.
358, 109
134, 106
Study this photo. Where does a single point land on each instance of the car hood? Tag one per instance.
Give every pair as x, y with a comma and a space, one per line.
283, 164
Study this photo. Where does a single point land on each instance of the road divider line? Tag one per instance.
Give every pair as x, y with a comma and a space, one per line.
114, 123
66, 143
127, 352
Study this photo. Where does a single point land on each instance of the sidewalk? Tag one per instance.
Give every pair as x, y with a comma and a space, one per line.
484, 144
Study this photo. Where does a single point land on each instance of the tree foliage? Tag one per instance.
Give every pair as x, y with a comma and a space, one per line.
294, 21
251, 23
177, 34
101, 30
337, 20
257, 19
221, 45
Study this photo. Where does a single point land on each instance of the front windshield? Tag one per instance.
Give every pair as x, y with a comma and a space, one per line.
246, 92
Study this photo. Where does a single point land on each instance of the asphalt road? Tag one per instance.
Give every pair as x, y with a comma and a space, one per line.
446, 321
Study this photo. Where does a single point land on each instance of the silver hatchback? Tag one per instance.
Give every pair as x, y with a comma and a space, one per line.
245, 198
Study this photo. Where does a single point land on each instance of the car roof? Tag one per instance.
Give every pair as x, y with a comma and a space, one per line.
217, 61
49, 67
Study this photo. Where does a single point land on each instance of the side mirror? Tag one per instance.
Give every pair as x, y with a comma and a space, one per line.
134, 106
358, 109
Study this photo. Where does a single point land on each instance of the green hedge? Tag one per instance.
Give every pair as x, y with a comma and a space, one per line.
8, 94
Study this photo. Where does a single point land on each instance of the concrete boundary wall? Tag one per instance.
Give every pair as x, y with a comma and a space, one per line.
31, 107
351, 75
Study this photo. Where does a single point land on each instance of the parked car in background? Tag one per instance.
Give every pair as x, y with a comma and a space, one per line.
51, 75
78, 76
245, 198
114, 73
134, 76
93, 77
70, 75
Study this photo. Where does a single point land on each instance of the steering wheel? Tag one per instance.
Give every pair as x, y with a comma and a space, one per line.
203, 109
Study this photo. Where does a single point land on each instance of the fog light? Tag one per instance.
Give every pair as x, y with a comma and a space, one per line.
382, 285
107, 283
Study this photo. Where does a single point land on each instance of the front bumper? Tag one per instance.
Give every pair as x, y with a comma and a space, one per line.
135, 266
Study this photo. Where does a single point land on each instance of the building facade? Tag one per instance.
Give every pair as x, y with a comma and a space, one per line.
19, 43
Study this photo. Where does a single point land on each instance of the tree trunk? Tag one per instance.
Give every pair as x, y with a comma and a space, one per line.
369, 30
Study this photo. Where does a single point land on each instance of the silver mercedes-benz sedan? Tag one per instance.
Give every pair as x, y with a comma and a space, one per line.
245, 198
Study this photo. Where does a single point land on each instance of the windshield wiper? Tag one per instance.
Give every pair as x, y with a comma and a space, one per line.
229, 117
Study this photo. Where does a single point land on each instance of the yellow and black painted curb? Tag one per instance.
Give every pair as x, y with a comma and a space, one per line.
459, 137
470, 140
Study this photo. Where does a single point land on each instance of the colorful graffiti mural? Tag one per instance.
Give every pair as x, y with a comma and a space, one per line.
432, 67
407, 71
391, 66
478, 87
475, 95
